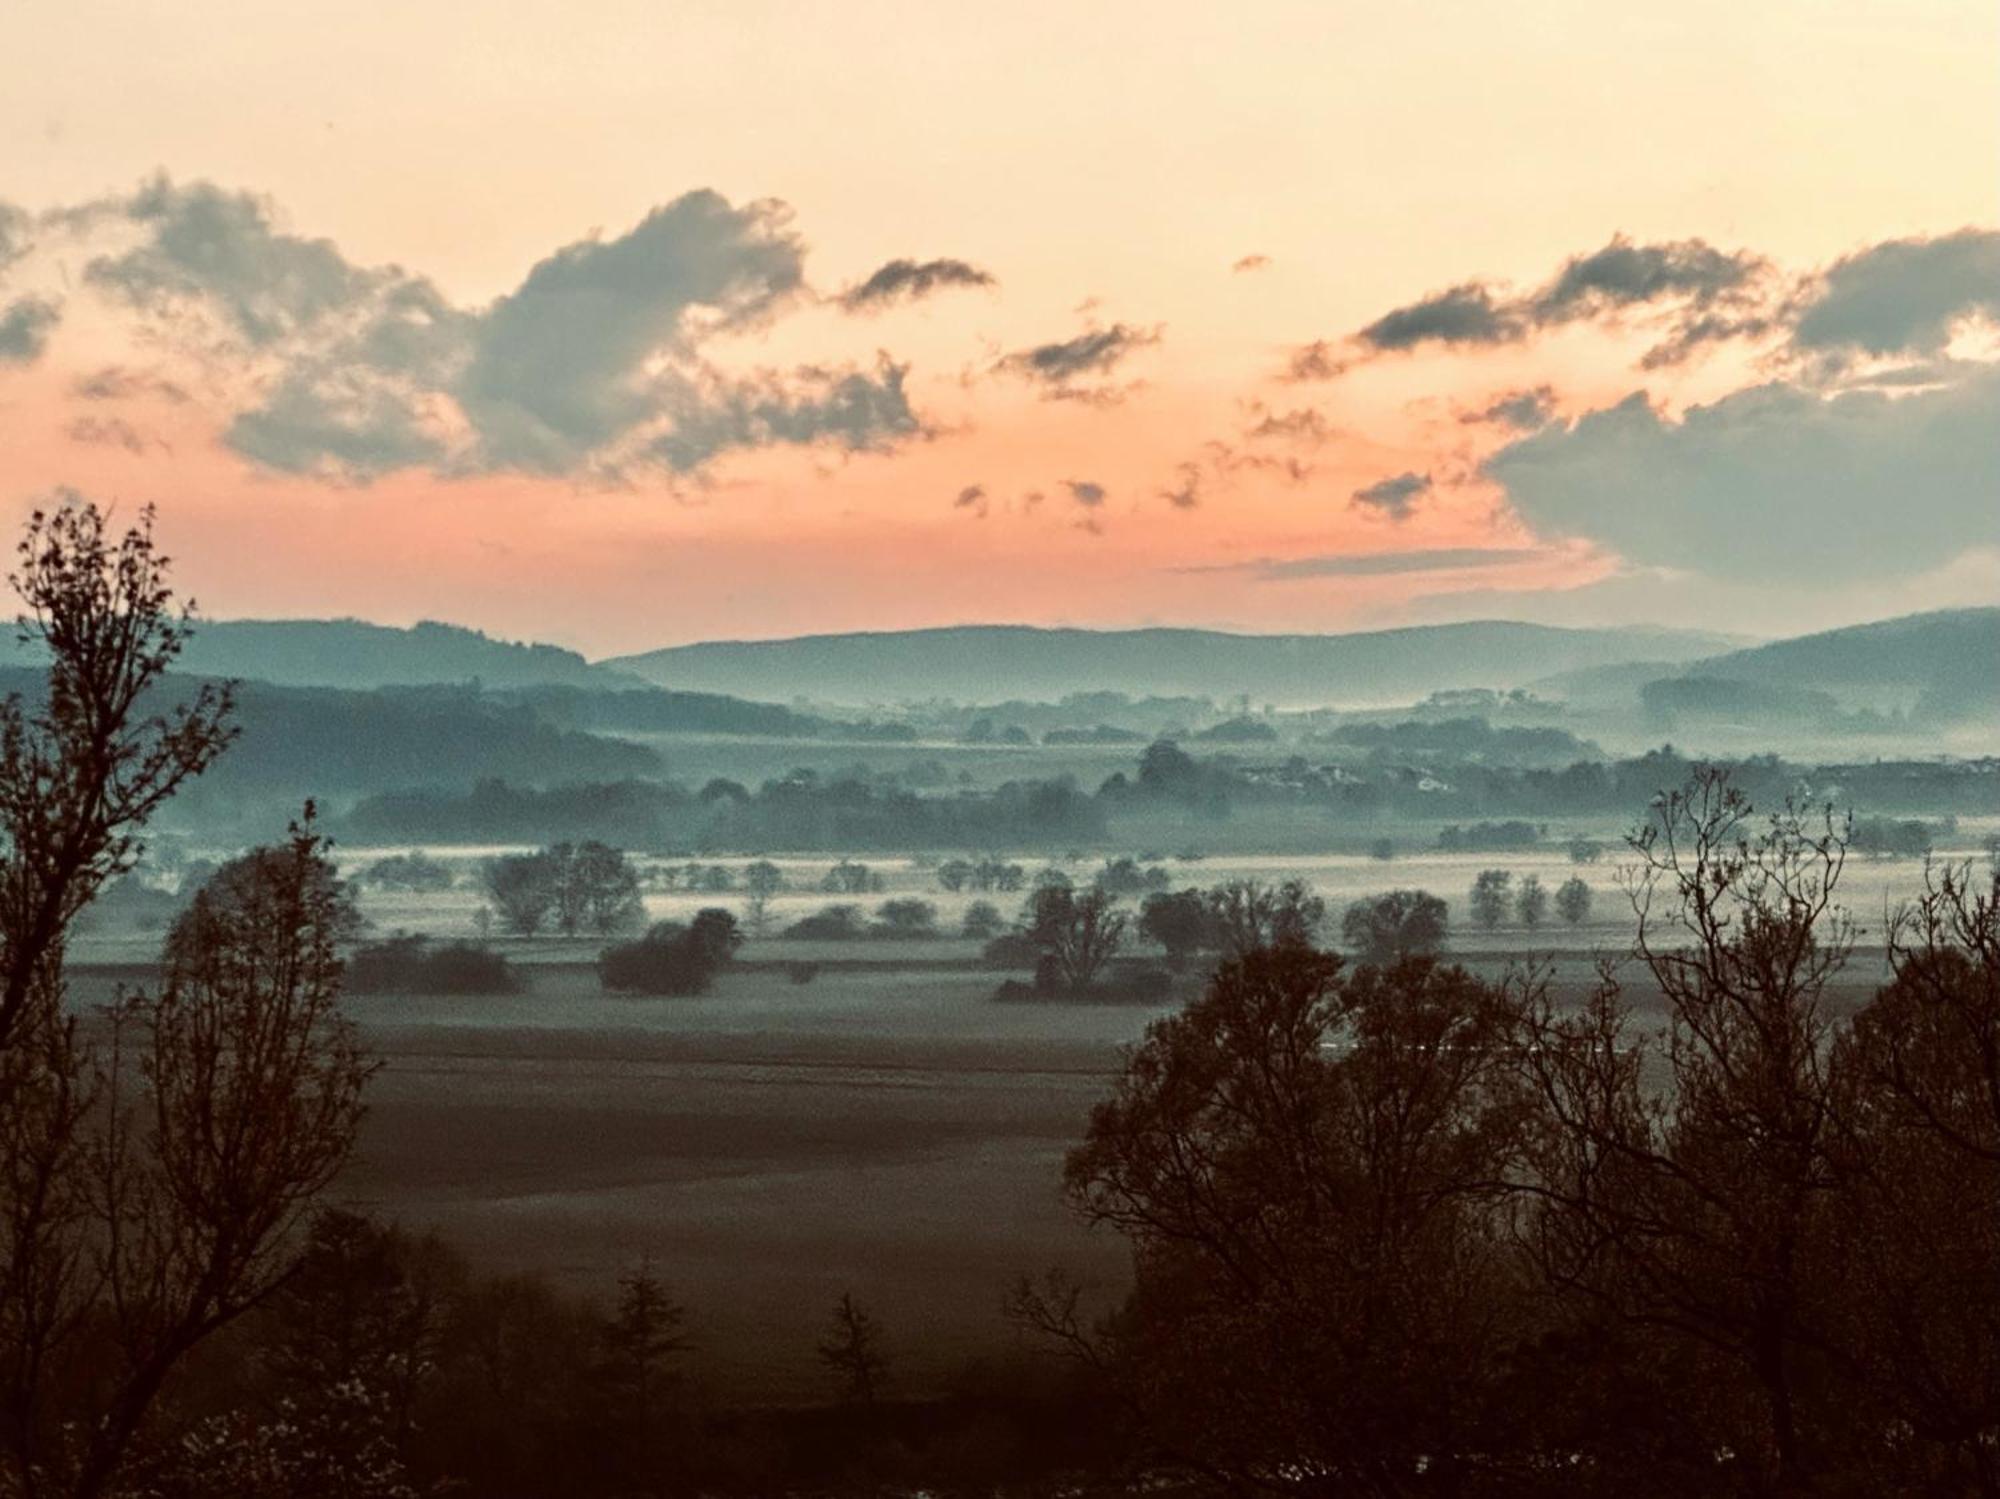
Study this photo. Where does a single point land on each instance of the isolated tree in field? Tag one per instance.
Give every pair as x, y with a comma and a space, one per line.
954, 874
906, 918
1076, 933
982, 921
1382, 850
1180, 922
1585, 850
850, 878
852, 1352
522, 889
1248, 915
1573, 899
1490, 897
761, 880
597, 889
1400, 924
1531, 902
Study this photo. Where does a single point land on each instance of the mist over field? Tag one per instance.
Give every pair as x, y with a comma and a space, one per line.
1049, 752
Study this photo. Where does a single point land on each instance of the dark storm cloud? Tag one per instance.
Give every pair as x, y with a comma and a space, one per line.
1902, 296
1778, 480
1394, 497
593, 364
1085, 491
909, 281
1522, 410
25, 325
1059, 367
1372, 564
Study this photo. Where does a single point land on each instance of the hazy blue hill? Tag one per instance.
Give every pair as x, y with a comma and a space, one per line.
1948, 662
983, 662
296, 742
353, 653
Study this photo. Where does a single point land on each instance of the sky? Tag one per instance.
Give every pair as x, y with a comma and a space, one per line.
620, 325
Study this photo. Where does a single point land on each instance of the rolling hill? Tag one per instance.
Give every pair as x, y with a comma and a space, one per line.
984, 663
352, 653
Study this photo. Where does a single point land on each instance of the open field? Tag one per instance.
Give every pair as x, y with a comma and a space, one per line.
887, 1129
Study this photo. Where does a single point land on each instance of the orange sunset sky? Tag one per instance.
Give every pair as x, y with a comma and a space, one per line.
619, 325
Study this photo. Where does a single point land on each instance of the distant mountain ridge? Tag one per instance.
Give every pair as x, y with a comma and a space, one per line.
352, 653
1943, 655
991, 662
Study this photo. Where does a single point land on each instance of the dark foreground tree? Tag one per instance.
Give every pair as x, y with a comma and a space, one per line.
152, 1167
852, 1352
1684, 1217
1305, 1166
153, 1187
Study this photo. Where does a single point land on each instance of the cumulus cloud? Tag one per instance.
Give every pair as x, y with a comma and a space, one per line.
205, 251
1700, 295
909, 281
1904, 296
1468, 314
1394, 497
25, 325
596, 362
1087, 492
1066, 369
1373, 564
17, 228
1623, 274
1522, 410
1777, 480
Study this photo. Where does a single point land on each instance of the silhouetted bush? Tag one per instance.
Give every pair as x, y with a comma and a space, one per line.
410, 964
670, 958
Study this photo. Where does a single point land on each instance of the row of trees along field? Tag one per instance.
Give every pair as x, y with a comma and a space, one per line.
1395, 1229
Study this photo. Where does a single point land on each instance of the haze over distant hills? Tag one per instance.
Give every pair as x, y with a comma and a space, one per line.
354, 653
1950, 654
989, 662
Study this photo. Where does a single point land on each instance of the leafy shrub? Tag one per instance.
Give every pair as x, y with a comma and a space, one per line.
671, 958
828, 924
409, 964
